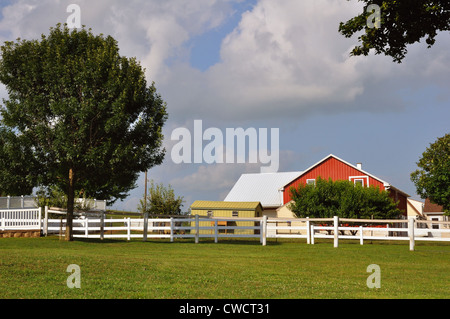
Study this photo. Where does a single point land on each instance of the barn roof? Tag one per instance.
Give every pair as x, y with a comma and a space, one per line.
264, 188
214, 205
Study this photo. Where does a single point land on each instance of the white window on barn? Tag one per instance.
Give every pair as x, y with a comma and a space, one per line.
359, 181
311, 182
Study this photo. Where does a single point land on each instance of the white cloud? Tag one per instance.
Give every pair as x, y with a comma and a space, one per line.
285, 59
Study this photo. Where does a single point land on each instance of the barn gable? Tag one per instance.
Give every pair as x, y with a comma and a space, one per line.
337, 169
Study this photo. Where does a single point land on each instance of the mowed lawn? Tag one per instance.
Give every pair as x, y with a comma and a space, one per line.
36, 269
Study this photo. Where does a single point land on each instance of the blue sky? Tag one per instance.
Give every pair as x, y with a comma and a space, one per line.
267, 64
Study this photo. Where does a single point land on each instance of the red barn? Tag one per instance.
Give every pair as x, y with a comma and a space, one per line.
338, 169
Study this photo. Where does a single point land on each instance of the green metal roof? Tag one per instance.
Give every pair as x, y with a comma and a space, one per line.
212, 205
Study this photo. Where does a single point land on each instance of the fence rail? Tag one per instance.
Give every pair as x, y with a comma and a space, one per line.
196, 227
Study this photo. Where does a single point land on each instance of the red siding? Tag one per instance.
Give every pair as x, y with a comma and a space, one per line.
400, 198
330, 168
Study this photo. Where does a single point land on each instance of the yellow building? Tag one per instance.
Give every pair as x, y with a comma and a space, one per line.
232, 210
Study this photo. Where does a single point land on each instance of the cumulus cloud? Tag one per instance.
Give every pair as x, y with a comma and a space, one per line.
285, 59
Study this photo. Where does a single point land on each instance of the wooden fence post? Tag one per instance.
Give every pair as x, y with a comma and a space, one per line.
102, 226
411, 234
312, 234
336, 231
197, 226
144, 238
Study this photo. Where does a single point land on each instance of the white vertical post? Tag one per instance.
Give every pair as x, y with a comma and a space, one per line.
197, 235
411, 234
46, 221
22, 202
361, 235
3, 224
86, 228
264, 230
171, 229
312, 234
129, 228
336, 231
308, 231
216, 232
8, 202
40, 218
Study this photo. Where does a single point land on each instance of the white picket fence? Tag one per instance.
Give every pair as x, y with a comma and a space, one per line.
20, 219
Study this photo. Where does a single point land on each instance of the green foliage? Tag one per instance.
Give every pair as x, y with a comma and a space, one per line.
15, 178
342, 198
55, 197
402, 23
432, 179
75, 105
161, 200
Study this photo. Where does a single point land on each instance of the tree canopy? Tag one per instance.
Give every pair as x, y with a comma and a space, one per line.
328, 198
401, 23
79, 116
161, 200
432, 179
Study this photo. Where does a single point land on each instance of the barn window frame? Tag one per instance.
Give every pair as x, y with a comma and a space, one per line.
364, 179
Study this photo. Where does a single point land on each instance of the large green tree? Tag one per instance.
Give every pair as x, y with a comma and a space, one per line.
79, 117
328, 198
432, 179
402, 23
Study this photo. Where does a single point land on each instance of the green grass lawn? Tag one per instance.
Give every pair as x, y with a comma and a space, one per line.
36, 268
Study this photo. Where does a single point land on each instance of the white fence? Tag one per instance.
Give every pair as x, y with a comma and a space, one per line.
15, 202
168, 228
20, 219
309, 229
196, 227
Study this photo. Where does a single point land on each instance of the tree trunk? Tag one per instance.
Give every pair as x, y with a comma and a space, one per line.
70, 206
